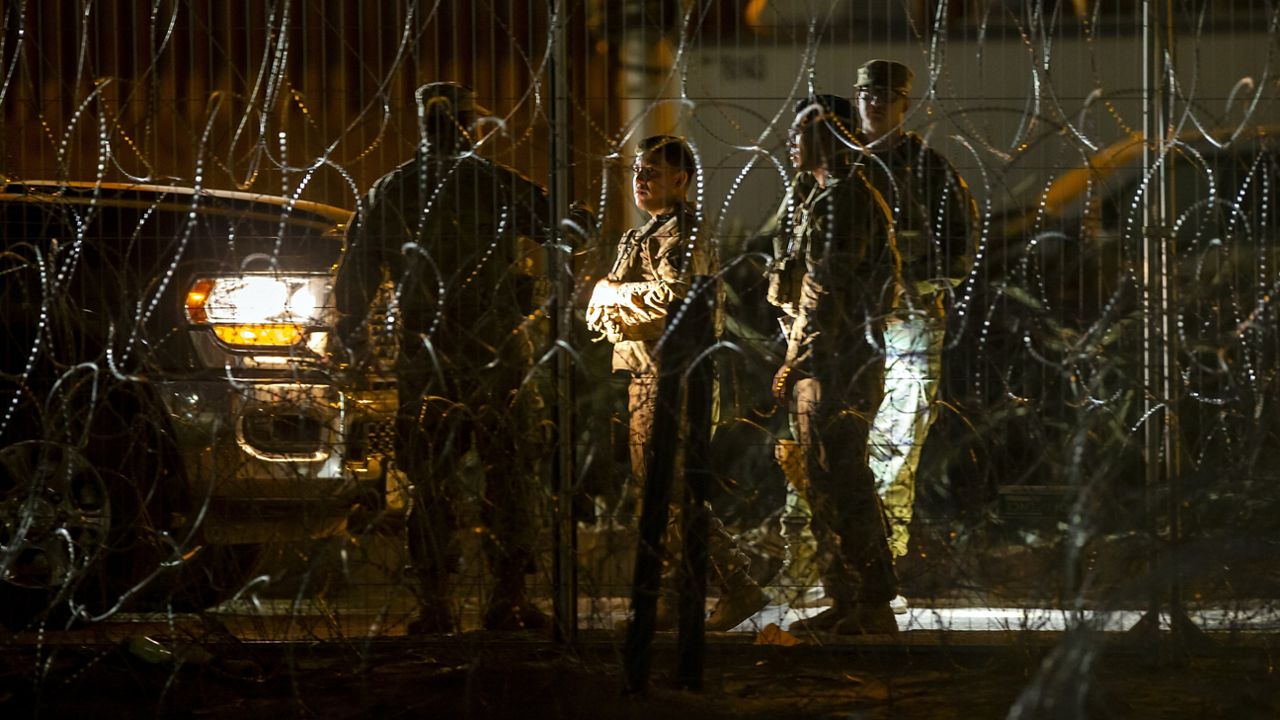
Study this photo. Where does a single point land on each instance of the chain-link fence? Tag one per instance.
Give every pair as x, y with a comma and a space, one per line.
924, 336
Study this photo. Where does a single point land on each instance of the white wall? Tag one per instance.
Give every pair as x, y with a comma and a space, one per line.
986, 94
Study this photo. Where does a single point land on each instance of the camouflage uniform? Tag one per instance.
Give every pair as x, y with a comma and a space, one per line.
654, 265
934, 218
784, 274
849, 277
457, 234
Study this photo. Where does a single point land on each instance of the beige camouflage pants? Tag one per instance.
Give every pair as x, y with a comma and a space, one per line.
913, 365
729, 564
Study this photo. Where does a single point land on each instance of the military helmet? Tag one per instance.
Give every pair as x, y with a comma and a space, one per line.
885, 74
461, 98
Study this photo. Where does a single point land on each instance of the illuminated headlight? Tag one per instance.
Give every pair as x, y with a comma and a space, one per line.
258, 310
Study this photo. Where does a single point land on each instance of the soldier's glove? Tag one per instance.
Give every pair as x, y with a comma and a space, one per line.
603, 319
783, 381
603, 315
620, 314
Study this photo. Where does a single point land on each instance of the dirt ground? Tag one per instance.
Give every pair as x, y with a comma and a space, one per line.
333, 657
479, 675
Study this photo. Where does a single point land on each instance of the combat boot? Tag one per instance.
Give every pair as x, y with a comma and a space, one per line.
870, 619
433, 618
664, 620
741, 598
825, 621
509, 609
514, 614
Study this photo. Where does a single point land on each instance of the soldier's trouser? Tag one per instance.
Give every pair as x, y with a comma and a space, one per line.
726, 559
913, 365
801, 571
832, 420
433, 433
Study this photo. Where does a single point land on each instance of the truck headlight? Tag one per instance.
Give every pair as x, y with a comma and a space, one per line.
259, 310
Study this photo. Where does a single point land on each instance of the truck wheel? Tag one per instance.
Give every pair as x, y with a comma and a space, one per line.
55, 518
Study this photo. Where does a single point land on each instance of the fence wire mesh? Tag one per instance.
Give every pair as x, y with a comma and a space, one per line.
335, 332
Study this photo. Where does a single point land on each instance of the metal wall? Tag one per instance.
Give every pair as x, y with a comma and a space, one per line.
1104, 451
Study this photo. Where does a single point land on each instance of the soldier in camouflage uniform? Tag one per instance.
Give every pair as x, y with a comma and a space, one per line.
629, 307
934, 221
832, 378
458, 235
798, 583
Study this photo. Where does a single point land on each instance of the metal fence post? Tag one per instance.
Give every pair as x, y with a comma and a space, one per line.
559, 267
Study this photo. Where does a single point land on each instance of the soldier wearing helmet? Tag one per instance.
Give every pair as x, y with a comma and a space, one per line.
457, 237
934, 220
831, 380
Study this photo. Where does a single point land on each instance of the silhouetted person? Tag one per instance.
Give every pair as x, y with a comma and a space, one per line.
458, 236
